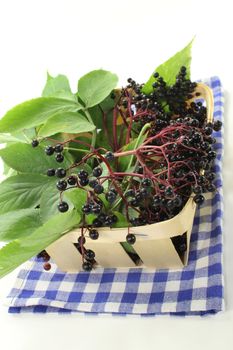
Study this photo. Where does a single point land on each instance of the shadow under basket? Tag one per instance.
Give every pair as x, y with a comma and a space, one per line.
160, 245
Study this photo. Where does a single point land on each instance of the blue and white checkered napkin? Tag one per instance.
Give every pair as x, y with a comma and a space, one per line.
194, 290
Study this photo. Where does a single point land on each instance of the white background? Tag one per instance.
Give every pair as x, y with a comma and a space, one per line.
129, 37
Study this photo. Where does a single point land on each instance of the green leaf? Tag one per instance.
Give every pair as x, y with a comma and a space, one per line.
26, 159
22, 191
169, 69
6, 138
56, 84
122, 220
58, 87
69, 122
20, 250
50, 200
95, 86
35, 112
125, 162
19, 223
77, 197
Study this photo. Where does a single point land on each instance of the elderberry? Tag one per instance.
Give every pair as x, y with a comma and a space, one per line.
59, 157
109, 156
35, 143
60, 172
58, 148
199, 199
49, 150
97, 171
61, 185
89, 254
93, 234
99, 189
87, 266
63, 207
130, 238
51, 172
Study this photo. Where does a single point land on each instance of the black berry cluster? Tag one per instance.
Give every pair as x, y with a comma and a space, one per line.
175, 160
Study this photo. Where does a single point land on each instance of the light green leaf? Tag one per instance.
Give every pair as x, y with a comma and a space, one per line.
20, 250
6, 138
68, 122
55, 84
58, 87
22, 191
19, 223
77, 197
95, 86
26, 159
35, 112
125, 162
50, 200
169, 69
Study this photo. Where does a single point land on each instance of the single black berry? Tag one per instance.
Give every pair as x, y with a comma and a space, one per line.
93, 234
49, 150
99, 189
199, 199
130, 238
87, 266
110, 196
81, 240
84, 181
109, 156
89, 254
197, 189
217, 125
61, 185
168, 191
130, 193
86, 209
35, 143
156, 75
63, 207
59, 158
72, 180
82, 174
60, 172
97, 171
58, 148
93, 183
51, 172
96, 209
146, 182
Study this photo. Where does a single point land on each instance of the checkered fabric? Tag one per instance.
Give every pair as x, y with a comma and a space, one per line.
194, 290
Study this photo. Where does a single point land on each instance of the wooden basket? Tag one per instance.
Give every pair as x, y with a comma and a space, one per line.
154, 243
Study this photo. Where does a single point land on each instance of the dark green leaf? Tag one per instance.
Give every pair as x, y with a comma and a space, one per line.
22, 191
19, 223
26, 159
35, 112
20, 250
69, 122
169, 69
95, 86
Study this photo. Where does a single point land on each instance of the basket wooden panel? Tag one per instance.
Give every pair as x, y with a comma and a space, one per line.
153, 243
